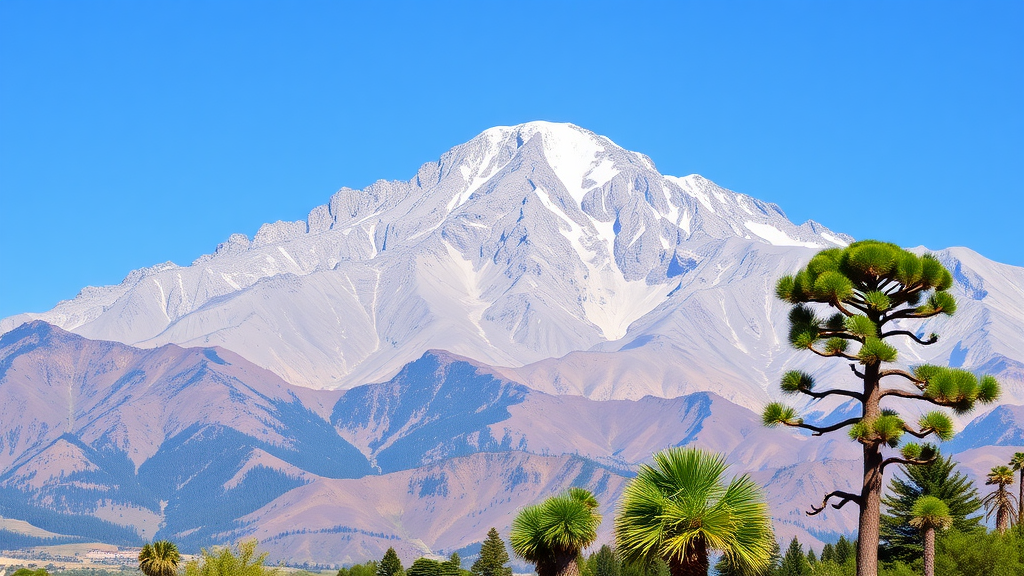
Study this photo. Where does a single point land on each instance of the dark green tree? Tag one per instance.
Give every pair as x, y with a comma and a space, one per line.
873, 291
452, 566
980, 553
811, 558
828, 553
493, 557
424, 567
844, 550
606, 562
552, 534
940, 479
794, 563
390, 565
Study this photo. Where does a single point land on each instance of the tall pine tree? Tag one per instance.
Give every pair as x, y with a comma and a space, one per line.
390, 565
940, 479
794, 563
871, 293
493, 557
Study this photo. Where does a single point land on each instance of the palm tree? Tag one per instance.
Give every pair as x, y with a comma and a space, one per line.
929, 514
159, 559
1001, 502
552, 534
680, 509
1017, 463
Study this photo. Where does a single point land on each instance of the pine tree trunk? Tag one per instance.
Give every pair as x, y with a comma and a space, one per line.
694, 563
871, 492
929, 551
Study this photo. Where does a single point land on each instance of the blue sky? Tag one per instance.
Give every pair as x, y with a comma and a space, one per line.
133, 133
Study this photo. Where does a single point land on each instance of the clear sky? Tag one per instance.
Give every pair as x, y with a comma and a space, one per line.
133, 133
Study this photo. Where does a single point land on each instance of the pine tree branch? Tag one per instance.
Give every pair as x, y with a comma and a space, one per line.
909, 313
837, 353
917, 433
934, 338
844, 497
856, 372
819, 430
840, 334
893, 372
901, 394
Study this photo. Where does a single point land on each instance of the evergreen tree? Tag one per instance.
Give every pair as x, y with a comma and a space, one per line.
452, 566
940, 479
869, 285
424, 567
390, 565
794, 563
606, 562
844, 550
828, 553
493, 557
811, 558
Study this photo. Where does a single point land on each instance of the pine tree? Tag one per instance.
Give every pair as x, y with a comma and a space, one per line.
940, 479
811, 558
869, 285
452, 566
606, 563
794, 563
424, 567
493, 557
390, 565
828, 553
844, 550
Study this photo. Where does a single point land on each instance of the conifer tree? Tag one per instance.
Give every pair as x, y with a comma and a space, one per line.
828, 553
794, 563
811, 558
876, 290
606, 563
844, 550
940, 479
493, 557
390, 565
452, 566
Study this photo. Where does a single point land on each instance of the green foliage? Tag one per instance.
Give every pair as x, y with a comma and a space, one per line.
876, 351
939, 423
794, 562
930, 512
832, 286
916, 451
845, 550
938, 302
390, 565
988, 389
424, 567
877, 301
365, 569
493, 557
796, 381
561, 525
836, 345
860, 326
940, 479
979, 553
682, 506
777, 413
159, 559
30, 572
888, 428
452, 566
956, 388
606, 563
242, 561
804, 328
784, 289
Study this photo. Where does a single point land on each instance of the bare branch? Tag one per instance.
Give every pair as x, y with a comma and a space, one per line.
902, 373
844, 497
856, 372
907, 461
901, 394
934, 338
833, 392
909, 313
916, 433
819, 430
836, 354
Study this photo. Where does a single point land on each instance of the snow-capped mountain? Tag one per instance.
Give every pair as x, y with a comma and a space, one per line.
526, 243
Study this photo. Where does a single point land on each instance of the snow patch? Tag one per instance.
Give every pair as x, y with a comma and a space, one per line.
777, 237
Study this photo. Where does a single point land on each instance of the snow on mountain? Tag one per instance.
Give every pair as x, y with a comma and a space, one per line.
525, 243
541, 247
